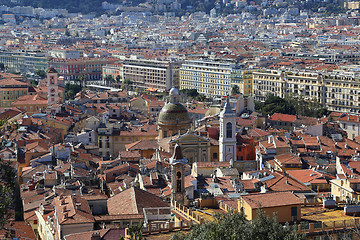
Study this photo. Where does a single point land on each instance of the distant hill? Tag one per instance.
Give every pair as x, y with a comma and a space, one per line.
84, 6
91, 6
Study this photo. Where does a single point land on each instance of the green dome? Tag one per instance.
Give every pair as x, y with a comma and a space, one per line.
174, 113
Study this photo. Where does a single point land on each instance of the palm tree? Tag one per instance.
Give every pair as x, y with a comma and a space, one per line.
108, 80
83, 79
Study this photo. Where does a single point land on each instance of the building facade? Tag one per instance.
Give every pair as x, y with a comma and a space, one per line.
88, 68
243, 79
336, 92
114, 70
207, 77
24, 62
11, 90
151, 74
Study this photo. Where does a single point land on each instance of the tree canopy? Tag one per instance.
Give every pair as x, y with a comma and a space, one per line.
71, 90
7, 187
293, 105
235, 90
41, 73
192, 94
231, 226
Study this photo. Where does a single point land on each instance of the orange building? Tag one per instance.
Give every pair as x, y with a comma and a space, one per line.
286, 206
31, 103
245, 147
146, 148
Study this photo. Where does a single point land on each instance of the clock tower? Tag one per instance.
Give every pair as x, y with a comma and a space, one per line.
227, 139
52, 85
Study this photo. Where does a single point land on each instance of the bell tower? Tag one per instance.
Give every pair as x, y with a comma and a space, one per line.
177, 162
52, 85
227, 139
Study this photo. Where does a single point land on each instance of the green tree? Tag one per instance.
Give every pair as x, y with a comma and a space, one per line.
189, 93
135, 231
82, 80
7, 187
291, 104
274, 104
235, 90
127, 84
40, 73
118, 79
71, 90
108, 80
306, 107
33, 83
231, 226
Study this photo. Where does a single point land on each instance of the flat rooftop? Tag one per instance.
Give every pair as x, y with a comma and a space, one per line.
328, 217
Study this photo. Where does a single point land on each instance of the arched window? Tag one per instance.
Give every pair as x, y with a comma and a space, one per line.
229, 130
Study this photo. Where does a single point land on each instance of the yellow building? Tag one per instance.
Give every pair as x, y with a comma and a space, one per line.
242, 79
111, 140
337, 92
345, 188
11, 90
287, 161
286, 206
59, 123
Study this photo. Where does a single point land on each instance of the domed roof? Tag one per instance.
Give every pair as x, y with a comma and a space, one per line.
173, 113
173, 91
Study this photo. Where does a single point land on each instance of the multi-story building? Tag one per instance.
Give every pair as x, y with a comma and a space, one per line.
335, 57
24, 62
151, 74
112, 138
336, 92
114, 70
88, 68
65, 53
207, 77
243, 79
11, 90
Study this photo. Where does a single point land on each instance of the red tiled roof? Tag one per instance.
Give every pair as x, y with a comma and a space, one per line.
132, 201
271, 199
283, 117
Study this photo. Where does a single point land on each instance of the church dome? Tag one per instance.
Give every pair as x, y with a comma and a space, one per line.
174, 113
173, 91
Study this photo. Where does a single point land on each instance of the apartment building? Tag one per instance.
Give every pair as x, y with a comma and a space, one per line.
18, 61
207, 77
71, 69
151, 74
336, 92
114, 70
11, 90
332, 58
65, 53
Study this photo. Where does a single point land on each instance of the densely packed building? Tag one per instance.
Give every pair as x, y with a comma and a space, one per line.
107, 137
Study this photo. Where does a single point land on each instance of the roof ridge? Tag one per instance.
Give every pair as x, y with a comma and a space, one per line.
134, 200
